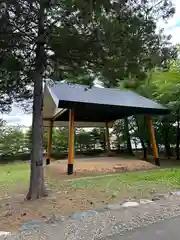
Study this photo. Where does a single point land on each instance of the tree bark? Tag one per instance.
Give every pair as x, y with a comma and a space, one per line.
128, 139
37, 185
135, 144
166, 140
144, 149
118, 142
103, 140
148, 145
177, 137
167, 149
80, 147
141, 140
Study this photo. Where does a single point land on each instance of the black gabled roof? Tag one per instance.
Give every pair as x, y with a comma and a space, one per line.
102, 104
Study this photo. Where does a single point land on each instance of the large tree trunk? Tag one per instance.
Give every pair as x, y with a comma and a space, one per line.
127, 135
37, 185
177, 137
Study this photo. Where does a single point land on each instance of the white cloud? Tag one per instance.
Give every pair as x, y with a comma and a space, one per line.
17, 117
171, 26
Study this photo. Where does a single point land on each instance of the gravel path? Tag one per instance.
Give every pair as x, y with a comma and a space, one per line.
103, 224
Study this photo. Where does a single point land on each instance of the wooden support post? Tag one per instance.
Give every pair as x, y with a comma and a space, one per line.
108, 147
49, 143
71, 143
74, 141
153, 141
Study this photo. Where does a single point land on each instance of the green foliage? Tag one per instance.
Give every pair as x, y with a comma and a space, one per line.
11, 141
16, 144
162, 86
167, 86
83, 40
84, 140
79, 41
60, 140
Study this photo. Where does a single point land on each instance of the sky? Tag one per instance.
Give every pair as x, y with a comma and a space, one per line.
172, 27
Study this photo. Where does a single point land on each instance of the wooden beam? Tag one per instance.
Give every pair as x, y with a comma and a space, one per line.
153, 141
59, 114
108, 147
49, 143
47, 119
71, 143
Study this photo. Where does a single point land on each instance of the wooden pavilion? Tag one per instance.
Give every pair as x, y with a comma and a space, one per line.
76, 105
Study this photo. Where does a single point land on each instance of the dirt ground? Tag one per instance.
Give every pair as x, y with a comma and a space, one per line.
97, 166
14, 211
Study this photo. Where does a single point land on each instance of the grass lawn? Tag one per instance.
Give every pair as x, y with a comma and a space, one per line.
13, 177
66, 197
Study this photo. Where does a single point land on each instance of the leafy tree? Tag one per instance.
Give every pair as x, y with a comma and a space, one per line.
117, 131
60, 140
11, 140
28, 138
127, 136
138, 126
166, 134
168, 91
163, 85
96, 137
83, 138
69, 39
